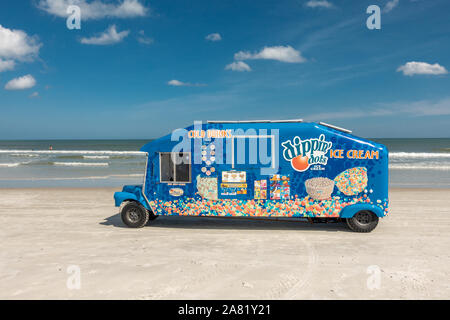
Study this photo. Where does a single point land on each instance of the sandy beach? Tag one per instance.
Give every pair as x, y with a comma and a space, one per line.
46, 234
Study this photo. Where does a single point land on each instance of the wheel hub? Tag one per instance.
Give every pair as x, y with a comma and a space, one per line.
364, 217
134, 215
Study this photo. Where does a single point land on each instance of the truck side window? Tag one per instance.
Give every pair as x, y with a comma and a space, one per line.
167, 173
172, 172
183, 170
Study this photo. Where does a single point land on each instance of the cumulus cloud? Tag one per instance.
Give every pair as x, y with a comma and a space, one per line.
413, 67
142, 38
178, 83
34, 94
280, 53
6, 65
238, 66
21, 83
109, 36
213, 37
390, 5
96, 9
17, 45
420, 108
319, 4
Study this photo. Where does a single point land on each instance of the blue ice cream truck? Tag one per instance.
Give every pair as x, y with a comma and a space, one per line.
268, 168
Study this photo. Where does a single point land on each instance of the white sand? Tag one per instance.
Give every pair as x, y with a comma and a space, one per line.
44, 231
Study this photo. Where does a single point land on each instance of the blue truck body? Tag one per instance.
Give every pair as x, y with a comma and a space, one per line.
296, 170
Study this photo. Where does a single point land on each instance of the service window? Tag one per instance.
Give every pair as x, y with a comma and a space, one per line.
170, 171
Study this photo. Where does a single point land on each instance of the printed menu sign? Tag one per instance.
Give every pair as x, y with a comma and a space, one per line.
234, 177
260, 189
279, 187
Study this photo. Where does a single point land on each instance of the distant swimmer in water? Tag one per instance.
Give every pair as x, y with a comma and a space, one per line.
50, 148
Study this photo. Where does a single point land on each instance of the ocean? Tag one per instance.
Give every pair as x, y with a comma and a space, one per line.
113, 163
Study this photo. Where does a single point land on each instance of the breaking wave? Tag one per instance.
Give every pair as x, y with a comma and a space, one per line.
77, 178
419, 167
82, 164
24, 155
96, 157
416, 155
81, 152
10, 165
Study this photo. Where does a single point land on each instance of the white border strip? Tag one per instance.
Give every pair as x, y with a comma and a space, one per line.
254, 121
335, 127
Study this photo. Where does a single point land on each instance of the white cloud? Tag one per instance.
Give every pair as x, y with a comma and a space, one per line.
109, 36
319, 3
413, 67
280, 53
407, 108
427, 107
17, 45
390, 5
142, 38
6, 65
21, 83
34, 94
95, 9
238, 66
213, 37
178, 83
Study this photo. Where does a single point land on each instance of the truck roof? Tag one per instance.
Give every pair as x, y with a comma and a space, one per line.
254, 121
279, 121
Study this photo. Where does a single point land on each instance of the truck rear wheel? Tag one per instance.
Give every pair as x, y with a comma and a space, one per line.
134, 215
363, 221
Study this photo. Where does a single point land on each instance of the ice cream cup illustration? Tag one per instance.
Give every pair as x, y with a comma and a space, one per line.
319, 188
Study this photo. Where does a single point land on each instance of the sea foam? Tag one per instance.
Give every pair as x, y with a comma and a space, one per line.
426, 155
10, 165
82, 164
82, 152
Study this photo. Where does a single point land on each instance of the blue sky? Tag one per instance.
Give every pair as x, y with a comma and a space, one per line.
310, 59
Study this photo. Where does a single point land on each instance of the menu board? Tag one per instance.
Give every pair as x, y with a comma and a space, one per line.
260, 189
279, 187
232, 189
234, 177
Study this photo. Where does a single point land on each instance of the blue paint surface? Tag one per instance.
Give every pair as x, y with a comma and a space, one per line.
161, 200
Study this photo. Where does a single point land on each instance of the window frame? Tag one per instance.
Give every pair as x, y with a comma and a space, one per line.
175, 168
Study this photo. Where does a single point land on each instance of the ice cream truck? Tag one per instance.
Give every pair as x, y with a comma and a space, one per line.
261, 169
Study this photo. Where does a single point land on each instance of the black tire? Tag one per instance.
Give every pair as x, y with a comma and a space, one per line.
363, 221
152, 216
134, 215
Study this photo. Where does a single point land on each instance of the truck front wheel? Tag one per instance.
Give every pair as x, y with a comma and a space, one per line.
134, 215
363, 221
